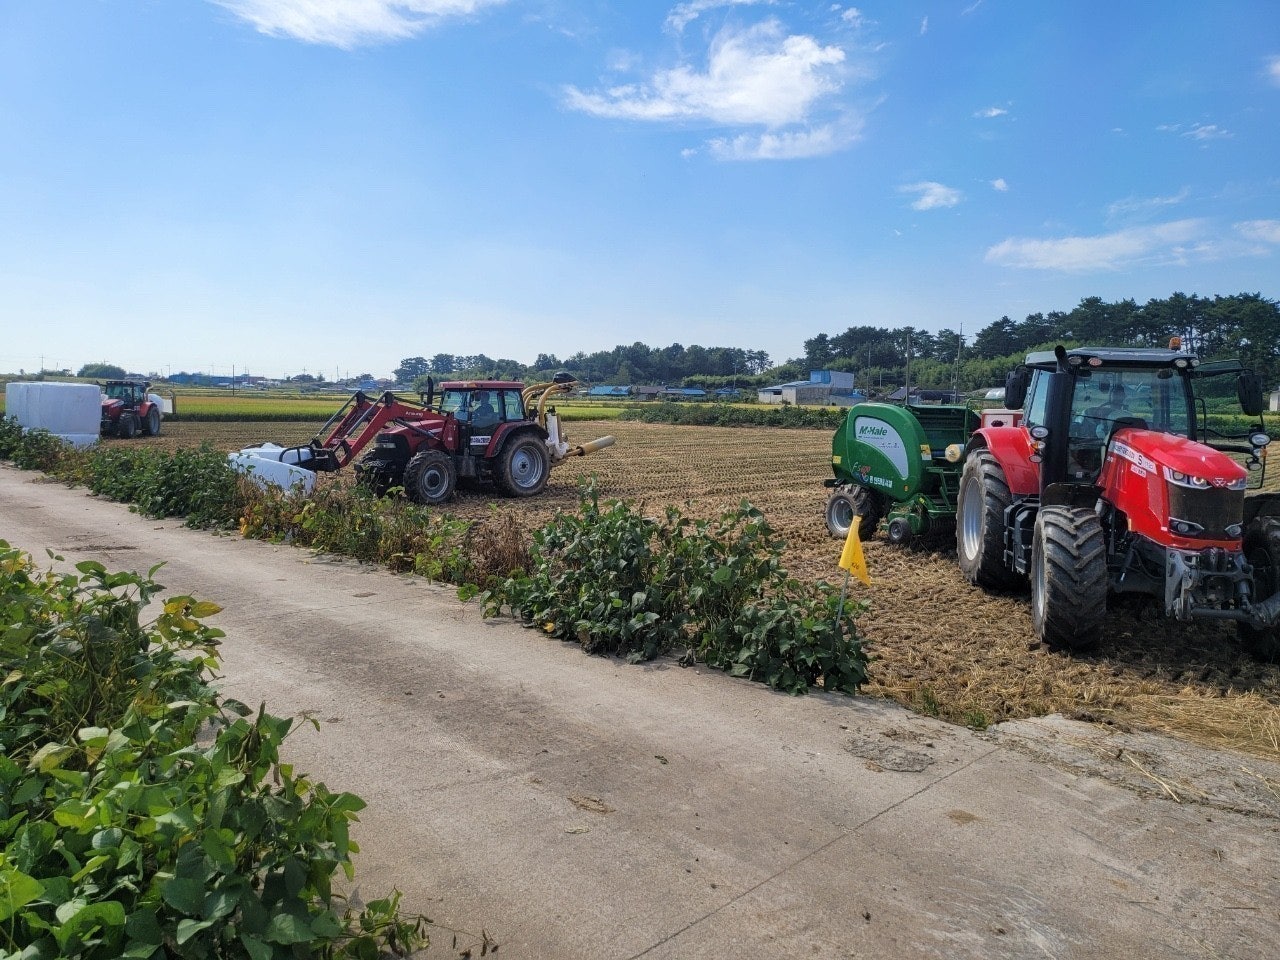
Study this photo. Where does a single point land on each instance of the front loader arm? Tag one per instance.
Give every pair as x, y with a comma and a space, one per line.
355, 425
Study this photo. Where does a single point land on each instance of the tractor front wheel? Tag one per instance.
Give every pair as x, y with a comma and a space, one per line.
127, 426
1068, 577
983, 498
430, 477
378, 475
523, 467
1262, 552
152, 427
844, 505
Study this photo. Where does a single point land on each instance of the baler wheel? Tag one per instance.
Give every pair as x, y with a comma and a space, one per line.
844, 505
1068, 577
430, 477
983, 497
1262, 551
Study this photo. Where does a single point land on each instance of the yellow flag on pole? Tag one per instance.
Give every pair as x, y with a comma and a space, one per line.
851, 557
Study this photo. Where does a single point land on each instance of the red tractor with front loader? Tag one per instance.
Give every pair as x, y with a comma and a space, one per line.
1111, 482
490, 431
128, 409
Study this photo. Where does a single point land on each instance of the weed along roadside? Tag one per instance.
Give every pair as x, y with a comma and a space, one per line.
142, 815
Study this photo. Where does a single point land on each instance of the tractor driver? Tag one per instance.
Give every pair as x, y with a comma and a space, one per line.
1115, 408
483, 413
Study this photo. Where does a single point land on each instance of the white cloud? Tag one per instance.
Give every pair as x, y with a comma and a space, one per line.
786, 145
1140, 205
1273, 70
1210, 131
758, 75
999, 184
1174, 242
932, 195
852, 16
924, 26
1265, 231
991, 112
685, 13
350, 23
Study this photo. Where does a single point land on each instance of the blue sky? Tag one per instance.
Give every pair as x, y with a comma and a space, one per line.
333, 185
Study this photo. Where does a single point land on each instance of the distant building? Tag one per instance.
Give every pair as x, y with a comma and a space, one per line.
606, 392
823, 388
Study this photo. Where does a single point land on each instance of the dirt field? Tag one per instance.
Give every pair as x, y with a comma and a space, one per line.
938, 644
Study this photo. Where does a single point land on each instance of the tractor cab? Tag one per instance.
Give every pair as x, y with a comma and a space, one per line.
1079, 402
483, 404
131, 392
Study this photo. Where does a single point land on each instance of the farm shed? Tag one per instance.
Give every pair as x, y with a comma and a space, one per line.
607, 392
823, 387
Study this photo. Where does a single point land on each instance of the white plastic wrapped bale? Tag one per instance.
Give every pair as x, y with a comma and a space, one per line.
258, 464
71, 412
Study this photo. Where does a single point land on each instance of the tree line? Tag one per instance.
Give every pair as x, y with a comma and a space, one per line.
1245, 325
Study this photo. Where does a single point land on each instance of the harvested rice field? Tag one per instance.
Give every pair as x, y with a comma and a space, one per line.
938, 644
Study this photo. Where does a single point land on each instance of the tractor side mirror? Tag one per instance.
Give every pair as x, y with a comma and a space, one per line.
1015, 387
1249, 389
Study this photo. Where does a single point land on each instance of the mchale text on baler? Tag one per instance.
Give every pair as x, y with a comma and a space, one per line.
492, 431
1111, 482
128, 409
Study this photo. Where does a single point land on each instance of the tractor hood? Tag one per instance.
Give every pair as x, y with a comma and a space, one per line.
1173, 491
1149, 450
110, 405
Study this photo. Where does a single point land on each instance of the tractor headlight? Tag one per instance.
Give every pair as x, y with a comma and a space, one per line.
1185, 479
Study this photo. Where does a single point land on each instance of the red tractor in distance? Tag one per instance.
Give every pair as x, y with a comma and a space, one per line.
128, 409
1112, 483
490, 431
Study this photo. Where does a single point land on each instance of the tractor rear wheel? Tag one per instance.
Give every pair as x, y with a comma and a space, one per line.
1262, 552
523, 467
844, 505
983, 498
152, 427
1068, 577
127, 426
430, 477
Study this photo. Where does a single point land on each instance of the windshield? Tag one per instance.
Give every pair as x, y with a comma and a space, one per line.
451, 401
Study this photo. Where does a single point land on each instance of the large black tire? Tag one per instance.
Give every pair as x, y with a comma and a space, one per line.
844, 505
1068, 577
523, 466
430, 477
127, 426
378, 475
151, 426
982, 500
1262, 551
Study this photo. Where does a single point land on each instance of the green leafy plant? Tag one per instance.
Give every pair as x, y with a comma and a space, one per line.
141, 816
619, 582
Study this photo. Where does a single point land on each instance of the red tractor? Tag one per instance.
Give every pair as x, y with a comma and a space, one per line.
128, 409
490, 431
1112, 483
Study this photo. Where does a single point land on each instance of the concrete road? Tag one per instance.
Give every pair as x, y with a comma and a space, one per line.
569, 806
